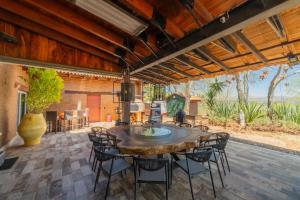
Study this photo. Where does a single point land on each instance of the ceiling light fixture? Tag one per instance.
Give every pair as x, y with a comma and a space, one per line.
114, 15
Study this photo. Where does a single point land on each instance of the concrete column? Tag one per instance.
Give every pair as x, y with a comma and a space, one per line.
126, 104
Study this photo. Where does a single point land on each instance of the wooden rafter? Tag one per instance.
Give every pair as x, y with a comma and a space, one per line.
160, 74
44, 31
188, 62
215, 60
248, 44
174, 69
240, 17
276, 24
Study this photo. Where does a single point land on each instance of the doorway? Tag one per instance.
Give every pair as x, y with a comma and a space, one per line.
93, 104
21, 106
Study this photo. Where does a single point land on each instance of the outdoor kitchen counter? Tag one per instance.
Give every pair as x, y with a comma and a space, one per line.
156, 139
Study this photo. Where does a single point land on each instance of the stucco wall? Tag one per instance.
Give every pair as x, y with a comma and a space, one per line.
10, 84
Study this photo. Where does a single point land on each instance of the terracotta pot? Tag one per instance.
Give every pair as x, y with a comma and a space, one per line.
31, 128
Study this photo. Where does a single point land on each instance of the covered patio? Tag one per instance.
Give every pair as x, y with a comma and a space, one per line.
59, 169
96, 45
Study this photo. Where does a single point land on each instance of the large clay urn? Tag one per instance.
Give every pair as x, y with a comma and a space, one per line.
31, 128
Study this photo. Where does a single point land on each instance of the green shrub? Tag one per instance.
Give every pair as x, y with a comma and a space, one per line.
252, 111
45, 87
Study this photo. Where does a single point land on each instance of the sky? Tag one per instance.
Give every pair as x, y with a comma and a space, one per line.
257, 88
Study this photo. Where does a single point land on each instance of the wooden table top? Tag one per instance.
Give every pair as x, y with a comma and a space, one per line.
133, 140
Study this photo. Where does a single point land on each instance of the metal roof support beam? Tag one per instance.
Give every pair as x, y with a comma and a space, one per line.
199, 55
173, 69
215, 60
244, 40
240, 17
276, 24
183, 59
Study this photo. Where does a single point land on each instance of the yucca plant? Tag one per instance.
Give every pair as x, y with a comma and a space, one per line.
214, 89
252, 111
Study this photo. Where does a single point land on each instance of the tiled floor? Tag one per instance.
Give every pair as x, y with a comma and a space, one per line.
59, 169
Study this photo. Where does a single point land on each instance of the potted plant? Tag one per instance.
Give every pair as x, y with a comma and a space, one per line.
45, 87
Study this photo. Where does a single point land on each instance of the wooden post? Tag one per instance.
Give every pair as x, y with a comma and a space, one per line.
126, 102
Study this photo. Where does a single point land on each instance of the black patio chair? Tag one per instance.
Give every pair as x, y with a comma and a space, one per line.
219, 145
110, 163
151, 170
193, 164
107, 140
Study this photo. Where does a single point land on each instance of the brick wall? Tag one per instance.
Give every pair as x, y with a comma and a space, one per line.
83, 86
9, 86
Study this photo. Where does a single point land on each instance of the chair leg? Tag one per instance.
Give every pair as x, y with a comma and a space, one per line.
218, 169
98, 175
190, 181
212, 180
167, 188
222, 162
226, 160
91, 153
109, 176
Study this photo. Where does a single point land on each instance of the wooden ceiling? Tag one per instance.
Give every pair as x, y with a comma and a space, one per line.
181, 42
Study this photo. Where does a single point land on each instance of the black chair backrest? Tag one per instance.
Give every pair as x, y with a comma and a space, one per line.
122, 124
98, 130
51, 116
104, 139
102, 154
200, 154
150, 164
221, 141
151, 122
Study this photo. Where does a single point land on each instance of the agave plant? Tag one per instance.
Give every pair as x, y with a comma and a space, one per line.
282, 111
224, 111
252, 111
295, 116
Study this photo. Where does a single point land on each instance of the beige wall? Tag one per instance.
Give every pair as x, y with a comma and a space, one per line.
10, 84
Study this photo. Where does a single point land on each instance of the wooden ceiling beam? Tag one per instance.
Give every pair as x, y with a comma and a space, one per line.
155, 80
45, 20
146, 10
248, 44
144, 79
70, 15
44, 31
240, 17
75, 18
183, 59
214, 59
162, 75
174, 69
149, 74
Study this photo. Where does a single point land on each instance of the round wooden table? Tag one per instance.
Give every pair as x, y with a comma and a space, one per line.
155, 139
